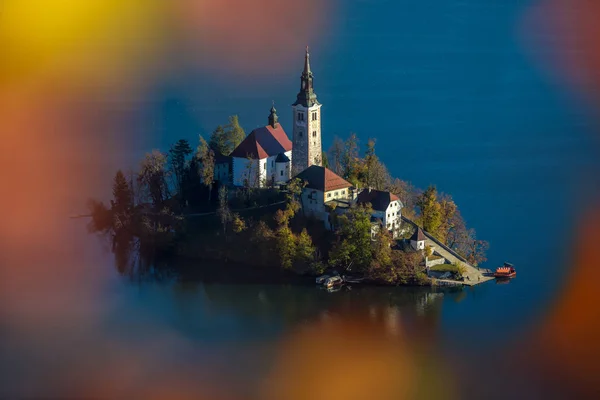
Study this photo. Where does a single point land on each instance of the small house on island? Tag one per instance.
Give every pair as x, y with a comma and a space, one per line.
323, 186
260, 159
387, 208
417, 241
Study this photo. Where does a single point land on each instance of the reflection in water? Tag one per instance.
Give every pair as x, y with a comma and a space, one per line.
282, 300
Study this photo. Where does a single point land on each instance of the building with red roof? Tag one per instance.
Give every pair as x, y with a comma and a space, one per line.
264, 156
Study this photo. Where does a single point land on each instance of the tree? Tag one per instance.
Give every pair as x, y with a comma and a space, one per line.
354, 239
477, 250
223, 211
122, 194
101, 217
218, 141
447, 209
238, 224
335, 155
354, 169
382, 247
407, 194
305, 250
122, 204
431, 215
225, 139
206, 157
235, 134
377, 175
325, 159
178, 159
286, 246
152, 177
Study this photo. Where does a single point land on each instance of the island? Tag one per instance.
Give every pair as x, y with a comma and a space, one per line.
285, 206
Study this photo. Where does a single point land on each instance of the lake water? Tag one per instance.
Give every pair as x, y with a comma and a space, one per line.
454, 99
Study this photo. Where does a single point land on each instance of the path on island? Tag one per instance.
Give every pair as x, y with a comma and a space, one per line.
473, 276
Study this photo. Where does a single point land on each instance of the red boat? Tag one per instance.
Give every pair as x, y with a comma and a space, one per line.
507, 271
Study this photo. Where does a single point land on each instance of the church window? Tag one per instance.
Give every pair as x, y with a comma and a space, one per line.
300, 116
281, 172
300, 133
314, 133
314, 116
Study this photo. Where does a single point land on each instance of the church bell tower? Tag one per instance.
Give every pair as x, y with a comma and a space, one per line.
307, 148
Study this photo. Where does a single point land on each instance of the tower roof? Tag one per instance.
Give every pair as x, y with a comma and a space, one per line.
273, 118
307, 96
418, 236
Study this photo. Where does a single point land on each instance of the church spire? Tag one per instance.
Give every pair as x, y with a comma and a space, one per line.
306, 97
307, 70
273, 118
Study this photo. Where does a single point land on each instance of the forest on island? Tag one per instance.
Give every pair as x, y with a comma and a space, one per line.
171, 206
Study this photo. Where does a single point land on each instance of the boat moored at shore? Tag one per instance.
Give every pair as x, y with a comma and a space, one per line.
507, 271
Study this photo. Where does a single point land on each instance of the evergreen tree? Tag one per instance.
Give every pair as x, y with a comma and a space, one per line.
325, 160
235, 134
218, 141
122, 194
178, 159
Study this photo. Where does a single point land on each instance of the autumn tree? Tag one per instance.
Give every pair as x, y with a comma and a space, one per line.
447, 211
238, 224
382, 247
286, 246
152, 177
206, 164
178, 159
377, 175
335, 156
305, 250
431, 214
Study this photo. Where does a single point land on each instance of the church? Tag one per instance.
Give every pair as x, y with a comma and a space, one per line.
267, 156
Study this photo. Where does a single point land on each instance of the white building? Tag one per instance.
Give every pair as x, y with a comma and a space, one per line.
323, 186
387, 208
222, 169
264, 157
417, 241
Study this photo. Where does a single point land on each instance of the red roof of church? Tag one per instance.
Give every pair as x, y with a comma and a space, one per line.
323, 179
263, 142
